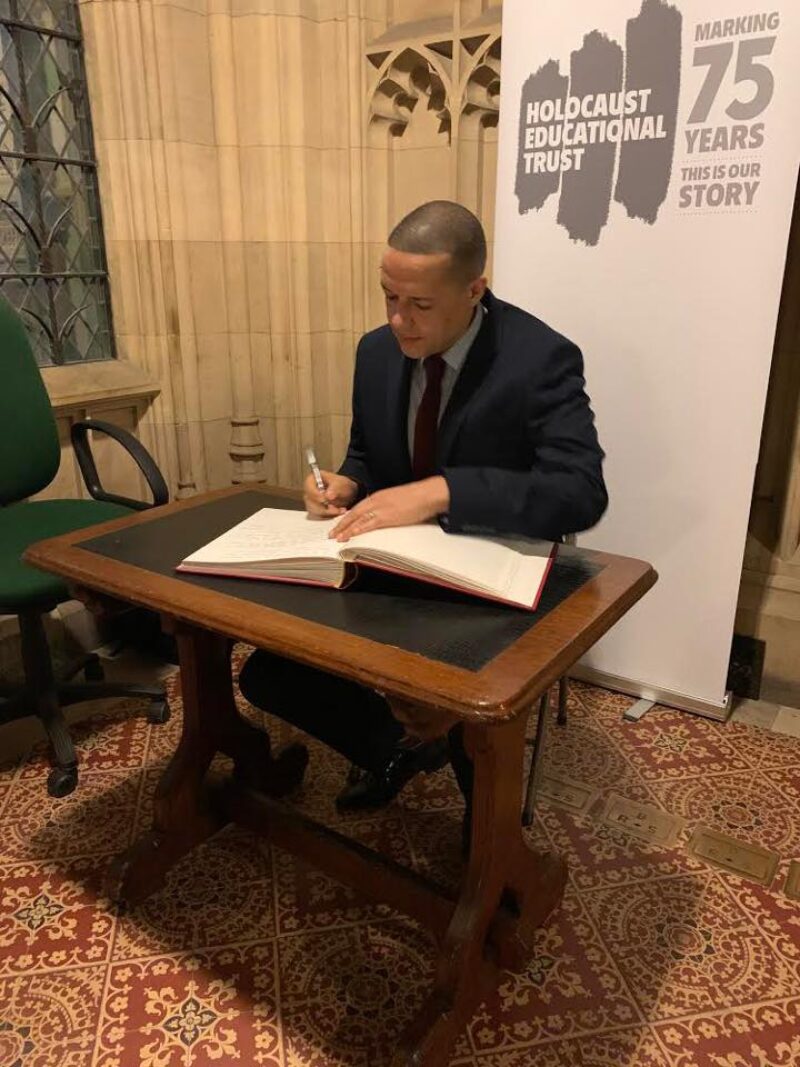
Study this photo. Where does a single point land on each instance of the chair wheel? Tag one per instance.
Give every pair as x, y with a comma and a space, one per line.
158, 712
61, 781
93, 671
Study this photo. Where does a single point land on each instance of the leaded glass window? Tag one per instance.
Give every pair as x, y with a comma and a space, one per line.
52, 260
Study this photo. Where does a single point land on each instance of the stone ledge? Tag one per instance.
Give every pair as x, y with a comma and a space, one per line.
79, 386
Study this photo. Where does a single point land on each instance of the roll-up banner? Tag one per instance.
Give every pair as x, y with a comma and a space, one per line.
648, 161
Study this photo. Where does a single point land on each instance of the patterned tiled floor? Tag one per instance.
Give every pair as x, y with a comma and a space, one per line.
247, 957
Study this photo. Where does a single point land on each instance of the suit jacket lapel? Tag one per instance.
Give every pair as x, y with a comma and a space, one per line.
398, 388
479, 360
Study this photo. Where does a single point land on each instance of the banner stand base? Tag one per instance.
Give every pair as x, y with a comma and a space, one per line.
650, 692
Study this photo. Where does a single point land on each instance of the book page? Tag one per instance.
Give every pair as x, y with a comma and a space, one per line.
509, 568
270, 534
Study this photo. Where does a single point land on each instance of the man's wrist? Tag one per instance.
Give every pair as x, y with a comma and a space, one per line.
356, 488
359, 489
439, 493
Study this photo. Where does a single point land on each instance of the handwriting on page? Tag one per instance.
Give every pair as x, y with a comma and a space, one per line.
263, 544
267, 536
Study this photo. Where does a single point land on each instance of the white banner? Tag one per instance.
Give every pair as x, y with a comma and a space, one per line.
647, 166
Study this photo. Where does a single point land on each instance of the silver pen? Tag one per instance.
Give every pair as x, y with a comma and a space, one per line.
311, 459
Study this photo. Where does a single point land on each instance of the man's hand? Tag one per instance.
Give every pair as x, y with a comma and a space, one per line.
340, 492
402, 506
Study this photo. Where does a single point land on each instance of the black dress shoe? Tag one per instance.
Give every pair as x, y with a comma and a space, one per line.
287, 768
369, 791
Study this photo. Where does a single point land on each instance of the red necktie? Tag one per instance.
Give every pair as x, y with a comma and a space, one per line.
424, 461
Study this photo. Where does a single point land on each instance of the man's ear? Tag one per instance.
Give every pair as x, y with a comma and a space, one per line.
476, 290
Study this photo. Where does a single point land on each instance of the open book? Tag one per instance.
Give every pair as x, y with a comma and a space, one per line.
289, 546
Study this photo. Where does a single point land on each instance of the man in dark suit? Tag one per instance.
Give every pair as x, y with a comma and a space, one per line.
466, 410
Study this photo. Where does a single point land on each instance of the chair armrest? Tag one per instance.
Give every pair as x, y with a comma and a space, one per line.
145, 462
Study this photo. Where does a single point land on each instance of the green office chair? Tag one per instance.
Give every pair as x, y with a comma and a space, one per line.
29, 460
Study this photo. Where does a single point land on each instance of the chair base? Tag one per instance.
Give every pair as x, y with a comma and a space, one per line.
44, 696
62, 780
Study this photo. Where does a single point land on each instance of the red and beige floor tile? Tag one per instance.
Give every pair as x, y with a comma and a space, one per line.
51, 1018
600, 856
248, 955
747, 806
787, 781
95, 820
348, 993
757, 1035
685, 946
570, 988
50, 920
631, 1047
220, 894
204, 1008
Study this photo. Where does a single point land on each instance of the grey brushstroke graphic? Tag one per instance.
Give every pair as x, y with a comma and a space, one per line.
586, 193
653, 46
546, 84
584, 172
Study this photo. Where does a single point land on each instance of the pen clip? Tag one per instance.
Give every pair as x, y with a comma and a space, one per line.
312, 462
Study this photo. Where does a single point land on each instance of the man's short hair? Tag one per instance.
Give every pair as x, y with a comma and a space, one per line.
442, 226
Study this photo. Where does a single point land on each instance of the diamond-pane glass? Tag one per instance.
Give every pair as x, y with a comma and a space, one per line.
52, 258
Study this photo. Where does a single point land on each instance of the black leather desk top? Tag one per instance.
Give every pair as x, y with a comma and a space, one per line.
452, 628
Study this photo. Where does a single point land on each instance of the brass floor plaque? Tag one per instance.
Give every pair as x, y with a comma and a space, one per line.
792, 887
567, 794
749, 861
643, 821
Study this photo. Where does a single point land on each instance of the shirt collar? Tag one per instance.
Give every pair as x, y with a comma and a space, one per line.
455, 355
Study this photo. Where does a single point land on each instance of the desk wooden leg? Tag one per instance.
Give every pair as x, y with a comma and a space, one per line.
184, 809
507, 892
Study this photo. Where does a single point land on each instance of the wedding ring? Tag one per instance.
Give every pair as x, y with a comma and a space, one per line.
371, 515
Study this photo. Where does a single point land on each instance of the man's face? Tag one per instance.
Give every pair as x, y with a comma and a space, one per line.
427, 307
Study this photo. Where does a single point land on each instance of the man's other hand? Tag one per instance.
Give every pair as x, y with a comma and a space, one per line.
402, 506
340, 492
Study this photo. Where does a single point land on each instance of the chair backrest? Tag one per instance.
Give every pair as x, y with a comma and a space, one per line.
29, 448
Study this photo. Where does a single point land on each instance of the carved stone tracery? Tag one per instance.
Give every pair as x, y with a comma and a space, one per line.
439, 66
458, 73
481, 94
409, 79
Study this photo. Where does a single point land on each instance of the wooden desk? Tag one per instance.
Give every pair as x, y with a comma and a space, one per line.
437, 657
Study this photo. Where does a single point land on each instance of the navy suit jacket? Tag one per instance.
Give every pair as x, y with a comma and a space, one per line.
517, 442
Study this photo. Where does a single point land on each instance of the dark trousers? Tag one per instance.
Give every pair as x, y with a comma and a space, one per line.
346, 716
